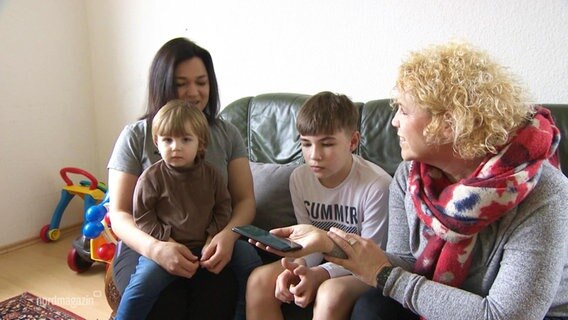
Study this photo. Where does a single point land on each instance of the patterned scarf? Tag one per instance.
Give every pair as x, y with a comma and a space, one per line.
455, 212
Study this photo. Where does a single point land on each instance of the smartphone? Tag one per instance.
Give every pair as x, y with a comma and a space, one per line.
266, 238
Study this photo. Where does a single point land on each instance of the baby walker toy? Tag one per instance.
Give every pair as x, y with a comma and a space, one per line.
97, 229
93, 244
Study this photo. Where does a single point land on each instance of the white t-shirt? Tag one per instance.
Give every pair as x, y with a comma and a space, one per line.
357, 205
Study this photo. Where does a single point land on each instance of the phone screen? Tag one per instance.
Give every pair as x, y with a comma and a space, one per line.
267, 238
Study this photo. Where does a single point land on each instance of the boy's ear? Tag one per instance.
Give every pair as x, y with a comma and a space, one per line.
355, 137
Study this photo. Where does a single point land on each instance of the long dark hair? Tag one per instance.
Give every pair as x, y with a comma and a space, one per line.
161, 84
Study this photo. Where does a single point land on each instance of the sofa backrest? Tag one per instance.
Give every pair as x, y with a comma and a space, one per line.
560, 114
267, 123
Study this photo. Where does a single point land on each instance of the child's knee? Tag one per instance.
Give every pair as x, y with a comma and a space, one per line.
258, 281
326, 296
331, 293
261, 283
255, 278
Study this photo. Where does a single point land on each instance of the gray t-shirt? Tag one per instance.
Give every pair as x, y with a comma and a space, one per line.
134, 150
520, 263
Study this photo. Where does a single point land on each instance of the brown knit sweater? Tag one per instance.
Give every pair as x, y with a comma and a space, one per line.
187, 205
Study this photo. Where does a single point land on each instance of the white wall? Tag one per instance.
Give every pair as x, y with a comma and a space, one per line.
46, 115
259, 46
352, 47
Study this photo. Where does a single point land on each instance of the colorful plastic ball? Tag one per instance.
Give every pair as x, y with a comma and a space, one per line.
93, 229
95, 213
106, 251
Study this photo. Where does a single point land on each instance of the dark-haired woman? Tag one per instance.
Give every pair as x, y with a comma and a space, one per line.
183, 70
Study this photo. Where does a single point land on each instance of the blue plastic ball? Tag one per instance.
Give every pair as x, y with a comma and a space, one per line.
92, 230
96, 213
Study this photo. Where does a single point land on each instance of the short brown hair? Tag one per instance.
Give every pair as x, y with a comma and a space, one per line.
172, 118
327, 113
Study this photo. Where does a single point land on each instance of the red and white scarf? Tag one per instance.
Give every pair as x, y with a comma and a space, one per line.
456, 212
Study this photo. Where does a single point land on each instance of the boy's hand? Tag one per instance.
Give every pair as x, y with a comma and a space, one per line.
175, 258
311, 238
284, 281
310, 280
217, 253
287, 279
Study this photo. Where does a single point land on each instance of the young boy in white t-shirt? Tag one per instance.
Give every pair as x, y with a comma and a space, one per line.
334, 188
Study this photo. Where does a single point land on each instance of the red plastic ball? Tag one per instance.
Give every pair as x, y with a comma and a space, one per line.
106, 251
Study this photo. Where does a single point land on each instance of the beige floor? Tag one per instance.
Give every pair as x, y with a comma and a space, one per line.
42, 270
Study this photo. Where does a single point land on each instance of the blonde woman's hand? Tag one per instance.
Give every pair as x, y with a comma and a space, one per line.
364, 257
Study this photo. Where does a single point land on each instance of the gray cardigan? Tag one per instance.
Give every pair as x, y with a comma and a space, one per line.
520, 263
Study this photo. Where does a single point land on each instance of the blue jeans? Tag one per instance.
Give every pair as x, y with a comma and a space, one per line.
244, 260
143, 290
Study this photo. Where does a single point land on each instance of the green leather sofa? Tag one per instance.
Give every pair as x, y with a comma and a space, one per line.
267, 124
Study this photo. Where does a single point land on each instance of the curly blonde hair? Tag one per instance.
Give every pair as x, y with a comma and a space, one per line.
463, 88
